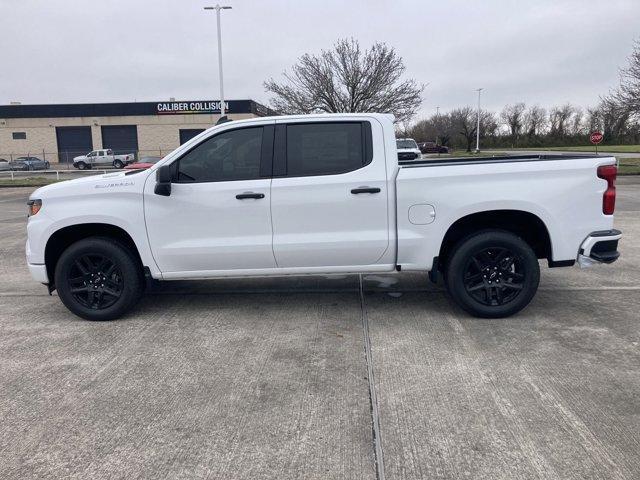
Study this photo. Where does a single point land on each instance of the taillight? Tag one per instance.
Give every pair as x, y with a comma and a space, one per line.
608, 173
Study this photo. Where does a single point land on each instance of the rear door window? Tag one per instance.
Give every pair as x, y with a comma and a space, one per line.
327, 148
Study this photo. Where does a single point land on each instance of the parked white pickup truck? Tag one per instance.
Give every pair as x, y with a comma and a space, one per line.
408, 149
321, 194
103, 158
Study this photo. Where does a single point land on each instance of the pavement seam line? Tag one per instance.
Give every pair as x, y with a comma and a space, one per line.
373, 398
334, 290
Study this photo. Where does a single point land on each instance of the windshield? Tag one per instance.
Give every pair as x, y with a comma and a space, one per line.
408, 143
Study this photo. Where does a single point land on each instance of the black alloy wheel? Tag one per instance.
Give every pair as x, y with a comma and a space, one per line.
492, 274
95, 281
99, 278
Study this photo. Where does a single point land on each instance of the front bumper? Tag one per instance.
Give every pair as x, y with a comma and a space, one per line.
38, 273
599, 247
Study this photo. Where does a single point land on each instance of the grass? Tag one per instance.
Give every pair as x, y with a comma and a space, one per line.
629, 166
591, 148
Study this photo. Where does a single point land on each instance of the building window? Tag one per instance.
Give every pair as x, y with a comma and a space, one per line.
19, 135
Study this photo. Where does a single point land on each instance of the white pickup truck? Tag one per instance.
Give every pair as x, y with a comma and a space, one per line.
102, 158
408, 149
321, 194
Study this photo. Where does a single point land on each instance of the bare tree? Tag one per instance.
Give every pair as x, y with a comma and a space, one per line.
535, 121
465, 124
488, 124
438, 128
593, 119
513, 117
559, 118
348, 79
614, 120
627, 95
444, 128
576, 126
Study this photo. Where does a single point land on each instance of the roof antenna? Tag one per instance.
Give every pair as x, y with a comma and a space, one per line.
223, 119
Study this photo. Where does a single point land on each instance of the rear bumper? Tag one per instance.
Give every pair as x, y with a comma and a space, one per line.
599, 247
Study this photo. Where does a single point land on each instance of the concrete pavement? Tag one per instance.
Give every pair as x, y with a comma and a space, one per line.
268, 378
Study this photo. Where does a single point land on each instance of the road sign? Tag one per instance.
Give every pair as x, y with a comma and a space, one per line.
596, 137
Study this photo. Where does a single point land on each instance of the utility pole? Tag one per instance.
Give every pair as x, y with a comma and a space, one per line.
217, 8
478, 125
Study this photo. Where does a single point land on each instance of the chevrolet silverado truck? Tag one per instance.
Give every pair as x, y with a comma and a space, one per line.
321, 195
103, 158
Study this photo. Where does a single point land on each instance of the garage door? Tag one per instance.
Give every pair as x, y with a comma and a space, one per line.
120, 138
73, 141
187, 134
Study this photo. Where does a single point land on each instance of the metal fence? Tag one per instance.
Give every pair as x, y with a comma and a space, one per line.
50, 174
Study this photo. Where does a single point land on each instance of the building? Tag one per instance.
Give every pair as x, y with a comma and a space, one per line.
57, 133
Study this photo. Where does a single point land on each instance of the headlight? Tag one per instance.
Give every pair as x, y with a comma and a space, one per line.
34, 207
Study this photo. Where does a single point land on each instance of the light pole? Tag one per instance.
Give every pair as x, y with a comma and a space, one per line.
478, 125
217, 8
437, 124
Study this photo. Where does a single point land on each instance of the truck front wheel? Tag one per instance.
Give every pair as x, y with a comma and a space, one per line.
492, 274
81, 165
98, 278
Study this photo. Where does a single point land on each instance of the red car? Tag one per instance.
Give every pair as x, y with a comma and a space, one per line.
432, 147
143, 163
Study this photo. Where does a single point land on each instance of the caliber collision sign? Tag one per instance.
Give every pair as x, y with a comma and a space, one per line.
181, 108
595, 137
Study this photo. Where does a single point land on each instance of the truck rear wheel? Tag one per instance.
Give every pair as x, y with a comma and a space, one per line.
492, 274
118, 164
98, 278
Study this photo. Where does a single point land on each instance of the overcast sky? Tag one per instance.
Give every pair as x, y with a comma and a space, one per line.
537, 51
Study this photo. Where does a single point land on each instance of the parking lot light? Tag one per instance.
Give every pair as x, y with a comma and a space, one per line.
217, 8
479, 90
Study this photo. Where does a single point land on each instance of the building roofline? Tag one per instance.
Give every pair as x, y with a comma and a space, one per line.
115, 109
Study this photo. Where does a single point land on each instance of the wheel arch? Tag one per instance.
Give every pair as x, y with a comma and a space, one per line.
61, 239
526, 225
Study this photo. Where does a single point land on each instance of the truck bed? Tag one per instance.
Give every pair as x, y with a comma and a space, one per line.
562, 191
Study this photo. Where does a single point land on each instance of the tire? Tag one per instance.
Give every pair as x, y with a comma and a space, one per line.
81, 165
98, 278
492, 274
118, 164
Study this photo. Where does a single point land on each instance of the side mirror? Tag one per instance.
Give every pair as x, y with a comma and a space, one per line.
163, 181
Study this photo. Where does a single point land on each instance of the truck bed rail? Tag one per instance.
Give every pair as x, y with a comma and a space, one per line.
435, 162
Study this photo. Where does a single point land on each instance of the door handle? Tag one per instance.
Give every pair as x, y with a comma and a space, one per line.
242, 196
356, 191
